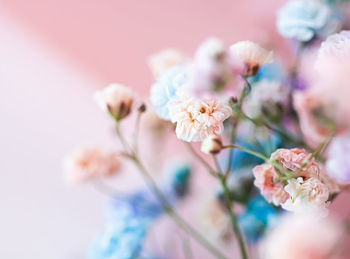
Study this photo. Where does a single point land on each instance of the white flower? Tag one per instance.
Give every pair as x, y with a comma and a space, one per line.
165, 59
306, 195
251, 55
267, 97
115, 99
197, 119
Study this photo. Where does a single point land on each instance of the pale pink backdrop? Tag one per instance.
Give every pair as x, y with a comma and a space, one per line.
53, 55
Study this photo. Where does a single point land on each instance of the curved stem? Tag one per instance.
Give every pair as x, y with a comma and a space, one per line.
249, 151
173, 214
200, 159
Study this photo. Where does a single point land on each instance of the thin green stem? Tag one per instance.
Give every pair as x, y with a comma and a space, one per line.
249, 151
173, 214
229, 207
200, 159
165, 204
136, 131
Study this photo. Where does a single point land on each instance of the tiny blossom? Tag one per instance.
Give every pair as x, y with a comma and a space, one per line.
213, 69
115, 99
338, 162
212, 145
165, 59
87, 163
197, 119
266, 97
306, 196
303, 236
302, 19
166, 89
251, 55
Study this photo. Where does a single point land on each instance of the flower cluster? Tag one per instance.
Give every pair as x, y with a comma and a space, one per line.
274, 139
294, 180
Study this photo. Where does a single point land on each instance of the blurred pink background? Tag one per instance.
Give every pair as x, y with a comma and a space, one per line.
54, 54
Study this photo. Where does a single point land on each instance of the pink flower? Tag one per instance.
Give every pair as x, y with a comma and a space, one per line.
266, 179
298, 161
115, 99
297, 182
251, 55
338, 162
164, 59
88, 163
303, 237
197, 119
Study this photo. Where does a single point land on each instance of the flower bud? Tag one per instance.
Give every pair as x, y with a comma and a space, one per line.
115, 99
212, 145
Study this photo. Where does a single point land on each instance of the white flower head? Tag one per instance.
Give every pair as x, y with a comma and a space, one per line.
251, 55
197, 119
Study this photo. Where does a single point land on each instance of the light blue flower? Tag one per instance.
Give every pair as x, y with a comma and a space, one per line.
302, 19
130, 216
166, 88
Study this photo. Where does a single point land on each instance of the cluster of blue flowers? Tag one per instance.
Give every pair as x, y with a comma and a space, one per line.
131, 216
303, 20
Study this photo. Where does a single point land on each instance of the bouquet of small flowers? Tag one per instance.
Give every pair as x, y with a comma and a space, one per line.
274, 138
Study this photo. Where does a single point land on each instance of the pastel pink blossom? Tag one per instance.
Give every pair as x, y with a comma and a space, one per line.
115, 99
298, 161
297, 182
266, 179
164, 59
303, 237
90, 162
338, 162
197, 119
251, 55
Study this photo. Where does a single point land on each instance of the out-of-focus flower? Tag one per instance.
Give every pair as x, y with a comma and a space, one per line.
298, 183
166, 89
305, 237
197, 119
214, 220
213, 69
336, 48
251, 55
87, 163
212, 145
131, 216
323, 108
306, 196
165, 59
267, 98
338, 162
303, 19
115, 99
258, 216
